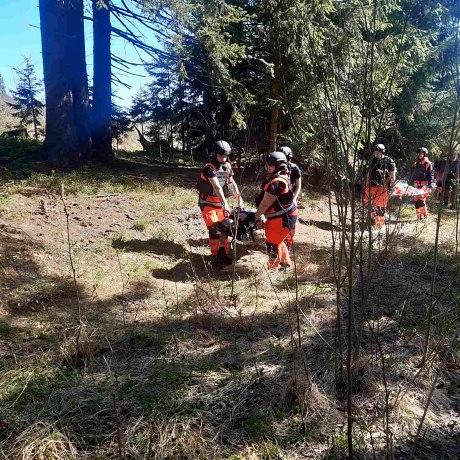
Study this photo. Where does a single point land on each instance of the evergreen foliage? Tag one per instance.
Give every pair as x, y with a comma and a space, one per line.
322, 75
140, 109
27, 107
365, 70
2, 85
120, 124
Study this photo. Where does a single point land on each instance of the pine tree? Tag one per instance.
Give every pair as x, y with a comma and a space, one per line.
2, 85
26, 104
140, 108
120, 123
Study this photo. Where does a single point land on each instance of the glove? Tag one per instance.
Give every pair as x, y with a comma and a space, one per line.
227, 209
259, 223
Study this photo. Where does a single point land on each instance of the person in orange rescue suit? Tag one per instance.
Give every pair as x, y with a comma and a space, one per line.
381, 176
215, 185
277, 209
295, 176
422, 177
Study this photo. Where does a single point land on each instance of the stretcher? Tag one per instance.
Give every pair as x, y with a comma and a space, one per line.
404, 190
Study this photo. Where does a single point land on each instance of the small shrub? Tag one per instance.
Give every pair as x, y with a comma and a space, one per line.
4, 201
20, 149
140, 225
269, 451
258, 427
5, 328
407, 212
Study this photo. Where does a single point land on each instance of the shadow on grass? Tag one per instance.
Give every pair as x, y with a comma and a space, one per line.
153, 245
325, 225
26, 288
197, 266
225, 369
199, 242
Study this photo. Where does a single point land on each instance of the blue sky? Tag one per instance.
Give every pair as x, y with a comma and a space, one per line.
20, 37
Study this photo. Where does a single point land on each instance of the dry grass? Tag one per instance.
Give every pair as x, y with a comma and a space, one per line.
298, 388
42, 441
80, 345
186, 362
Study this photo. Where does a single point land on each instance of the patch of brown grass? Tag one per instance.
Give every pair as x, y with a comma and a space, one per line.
42, 441
81, 346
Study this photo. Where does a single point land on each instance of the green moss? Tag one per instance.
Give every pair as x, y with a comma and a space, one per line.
258, 427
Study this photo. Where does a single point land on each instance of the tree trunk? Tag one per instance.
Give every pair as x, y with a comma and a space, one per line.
182, 121
187, 127
170, 112
67, 142
207, 103
158, 126
276, 86
102, 90
34, 114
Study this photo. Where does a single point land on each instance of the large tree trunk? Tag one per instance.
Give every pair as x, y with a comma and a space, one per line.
67, 142
276, 89
207, 103
182, 120
170, 115
102, 89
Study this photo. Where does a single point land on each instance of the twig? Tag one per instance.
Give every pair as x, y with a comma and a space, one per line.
72, 266
116, 406
430, 394
80, 321
122, 288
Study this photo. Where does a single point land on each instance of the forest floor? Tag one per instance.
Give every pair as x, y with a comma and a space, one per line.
175, 360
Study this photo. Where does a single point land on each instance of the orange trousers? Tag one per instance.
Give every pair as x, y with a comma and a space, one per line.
378, 198
278, 237
213, 216
421, 211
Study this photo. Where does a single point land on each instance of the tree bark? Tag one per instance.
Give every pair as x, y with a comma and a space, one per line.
67, 142
276, 89
170, 116
102, 89
32, 102
207, 105
182, 120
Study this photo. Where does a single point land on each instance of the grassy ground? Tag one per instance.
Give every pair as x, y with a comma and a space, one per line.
151, 354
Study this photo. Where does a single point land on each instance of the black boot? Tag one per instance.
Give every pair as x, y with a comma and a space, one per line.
215, 262
223, 257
